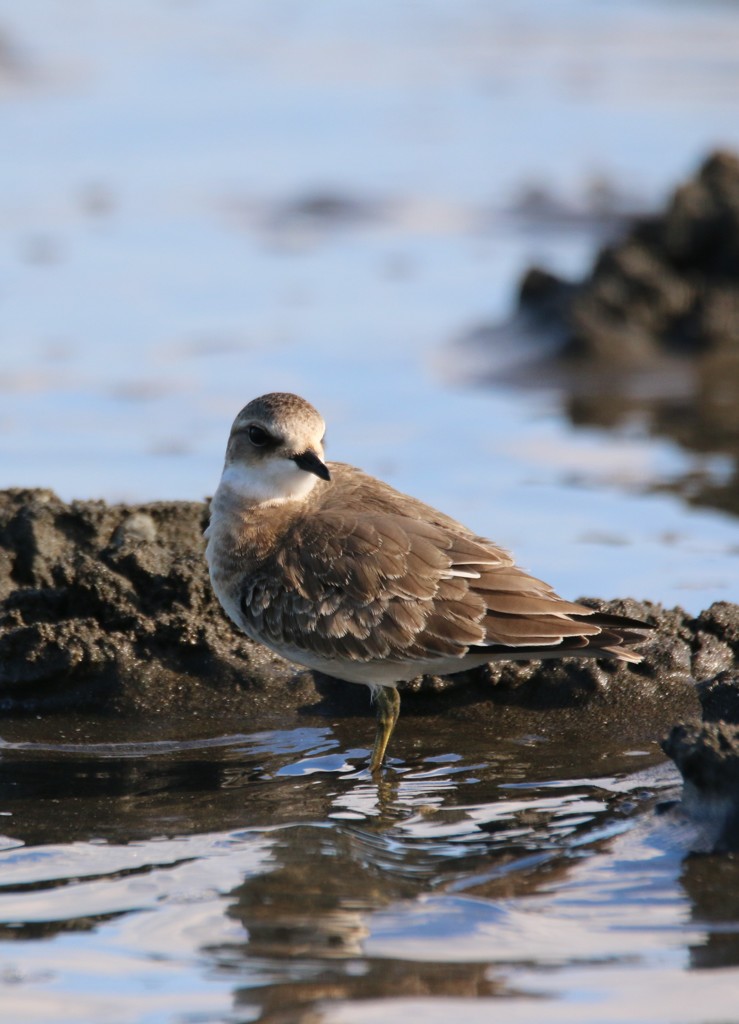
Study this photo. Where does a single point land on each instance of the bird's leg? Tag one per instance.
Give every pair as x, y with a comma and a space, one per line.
388, 709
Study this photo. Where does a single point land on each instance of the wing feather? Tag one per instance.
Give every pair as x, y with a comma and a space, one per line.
367, 582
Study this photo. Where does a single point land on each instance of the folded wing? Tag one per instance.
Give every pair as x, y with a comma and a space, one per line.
369, 586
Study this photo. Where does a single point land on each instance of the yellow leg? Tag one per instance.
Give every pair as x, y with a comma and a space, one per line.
388, 709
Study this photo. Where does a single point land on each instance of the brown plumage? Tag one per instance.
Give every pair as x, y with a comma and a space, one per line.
338, 571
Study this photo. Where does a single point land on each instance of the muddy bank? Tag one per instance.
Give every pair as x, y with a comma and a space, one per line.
650, 337
110, 608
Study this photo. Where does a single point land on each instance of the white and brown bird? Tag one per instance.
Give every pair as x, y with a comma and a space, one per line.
338, 571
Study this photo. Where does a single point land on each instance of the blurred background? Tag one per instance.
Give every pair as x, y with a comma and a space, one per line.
203, 201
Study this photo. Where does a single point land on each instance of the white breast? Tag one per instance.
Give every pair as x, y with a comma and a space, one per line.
271, 481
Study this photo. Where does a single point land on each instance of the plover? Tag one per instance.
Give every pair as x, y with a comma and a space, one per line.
337, 571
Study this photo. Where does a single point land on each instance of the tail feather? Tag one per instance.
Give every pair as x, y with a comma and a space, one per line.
616, 637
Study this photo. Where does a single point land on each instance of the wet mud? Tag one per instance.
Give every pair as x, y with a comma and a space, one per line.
108, 610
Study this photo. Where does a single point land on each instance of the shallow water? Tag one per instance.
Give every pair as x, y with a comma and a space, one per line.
207, 201
266, 876
235, 875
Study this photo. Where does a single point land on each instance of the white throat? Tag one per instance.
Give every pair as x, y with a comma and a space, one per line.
271, 482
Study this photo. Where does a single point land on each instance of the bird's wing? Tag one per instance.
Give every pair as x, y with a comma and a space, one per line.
369, 586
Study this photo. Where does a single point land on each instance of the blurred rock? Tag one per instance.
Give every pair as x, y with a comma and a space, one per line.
650, 336
671, 287
305, 220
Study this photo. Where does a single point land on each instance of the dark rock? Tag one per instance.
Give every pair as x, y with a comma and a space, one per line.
711, 656
721, 621
719, 697
707, 752
544, 294
707, 755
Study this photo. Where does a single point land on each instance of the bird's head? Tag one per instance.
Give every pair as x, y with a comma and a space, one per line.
275, 450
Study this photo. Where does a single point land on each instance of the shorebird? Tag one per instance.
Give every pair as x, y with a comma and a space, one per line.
337, 571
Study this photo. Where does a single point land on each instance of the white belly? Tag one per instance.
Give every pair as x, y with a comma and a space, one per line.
374, 673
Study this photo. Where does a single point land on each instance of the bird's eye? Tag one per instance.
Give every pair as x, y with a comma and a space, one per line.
258, 437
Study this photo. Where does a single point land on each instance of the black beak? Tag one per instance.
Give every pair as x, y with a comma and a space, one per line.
310, 462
